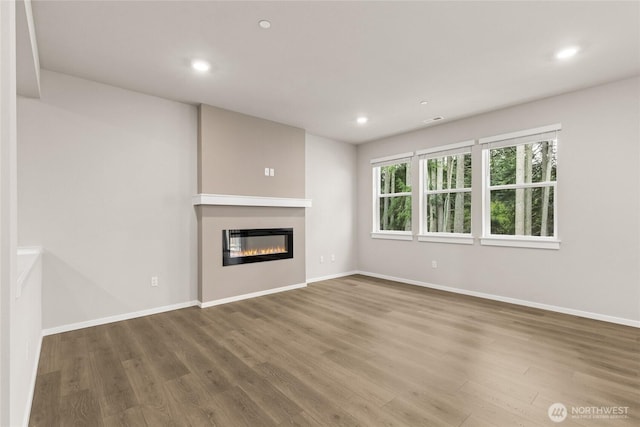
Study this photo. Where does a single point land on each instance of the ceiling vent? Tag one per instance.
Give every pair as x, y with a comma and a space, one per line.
434, 119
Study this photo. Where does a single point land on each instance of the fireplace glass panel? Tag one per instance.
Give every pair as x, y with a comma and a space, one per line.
256, 245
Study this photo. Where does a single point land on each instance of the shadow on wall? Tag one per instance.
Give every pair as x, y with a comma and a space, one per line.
68, 296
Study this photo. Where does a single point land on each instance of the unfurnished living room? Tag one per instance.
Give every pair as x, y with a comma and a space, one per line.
329, 213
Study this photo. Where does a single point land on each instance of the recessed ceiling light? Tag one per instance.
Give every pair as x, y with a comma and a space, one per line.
264, 24
433, 119
423, 102
567, 53
362, 120
200, 65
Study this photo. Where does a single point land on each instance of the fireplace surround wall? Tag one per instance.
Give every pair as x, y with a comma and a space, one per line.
217, 282
233, 151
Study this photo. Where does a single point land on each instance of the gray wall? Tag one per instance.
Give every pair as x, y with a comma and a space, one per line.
597, 268
234, 149
8, 191
26, 336
106, 177
331, 222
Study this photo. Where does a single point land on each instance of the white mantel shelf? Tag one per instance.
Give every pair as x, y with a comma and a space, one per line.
235, 200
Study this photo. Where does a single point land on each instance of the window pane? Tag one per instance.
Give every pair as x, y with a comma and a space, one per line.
527, 163
395, 178
523, 212
448, 213
448, 172
395, 213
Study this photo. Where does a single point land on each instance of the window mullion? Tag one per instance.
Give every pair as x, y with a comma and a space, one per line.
486, 193
395, 194
523, 185
448, 190
376, 199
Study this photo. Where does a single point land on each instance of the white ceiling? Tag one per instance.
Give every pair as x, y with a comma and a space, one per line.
324, 63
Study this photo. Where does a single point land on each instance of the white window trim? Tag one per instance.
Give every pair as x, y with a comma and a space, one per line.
396, 158
443, 148
376, 164
456, 238
464, 147
521, 133
392, 235
535, 242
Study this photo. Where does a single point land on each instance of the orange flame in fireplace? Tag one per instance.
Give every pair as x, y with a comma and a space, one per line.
261, 251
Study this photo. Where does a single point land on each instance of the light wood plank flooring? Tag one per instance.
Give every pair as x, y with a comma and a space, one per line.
344, 352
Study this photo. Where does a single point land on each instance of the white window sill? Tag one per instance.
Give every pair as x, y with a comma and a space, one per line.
521, 242
456, 238
392, 235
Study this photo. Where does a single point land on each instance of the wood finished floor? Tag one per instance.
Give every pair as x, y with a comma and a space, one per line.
345, 352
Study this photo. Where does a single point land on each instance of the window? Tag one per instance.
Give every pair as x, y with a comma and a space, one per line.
520, 179
445, 178
392, 197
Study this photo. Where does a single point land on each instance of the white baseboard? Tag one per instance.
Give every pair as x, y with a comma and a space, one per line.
571, 311
251, 295
32, 385
117, 318
331, 276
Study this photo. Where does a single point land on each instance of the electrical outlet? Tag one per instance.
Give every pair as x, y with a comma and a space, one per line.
321, 259
333, 257
434, 264
266, 171
272, 172
154, 281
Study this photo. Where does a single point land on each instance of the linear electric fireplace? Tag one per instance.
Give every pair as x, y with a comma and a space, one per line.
256, 245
